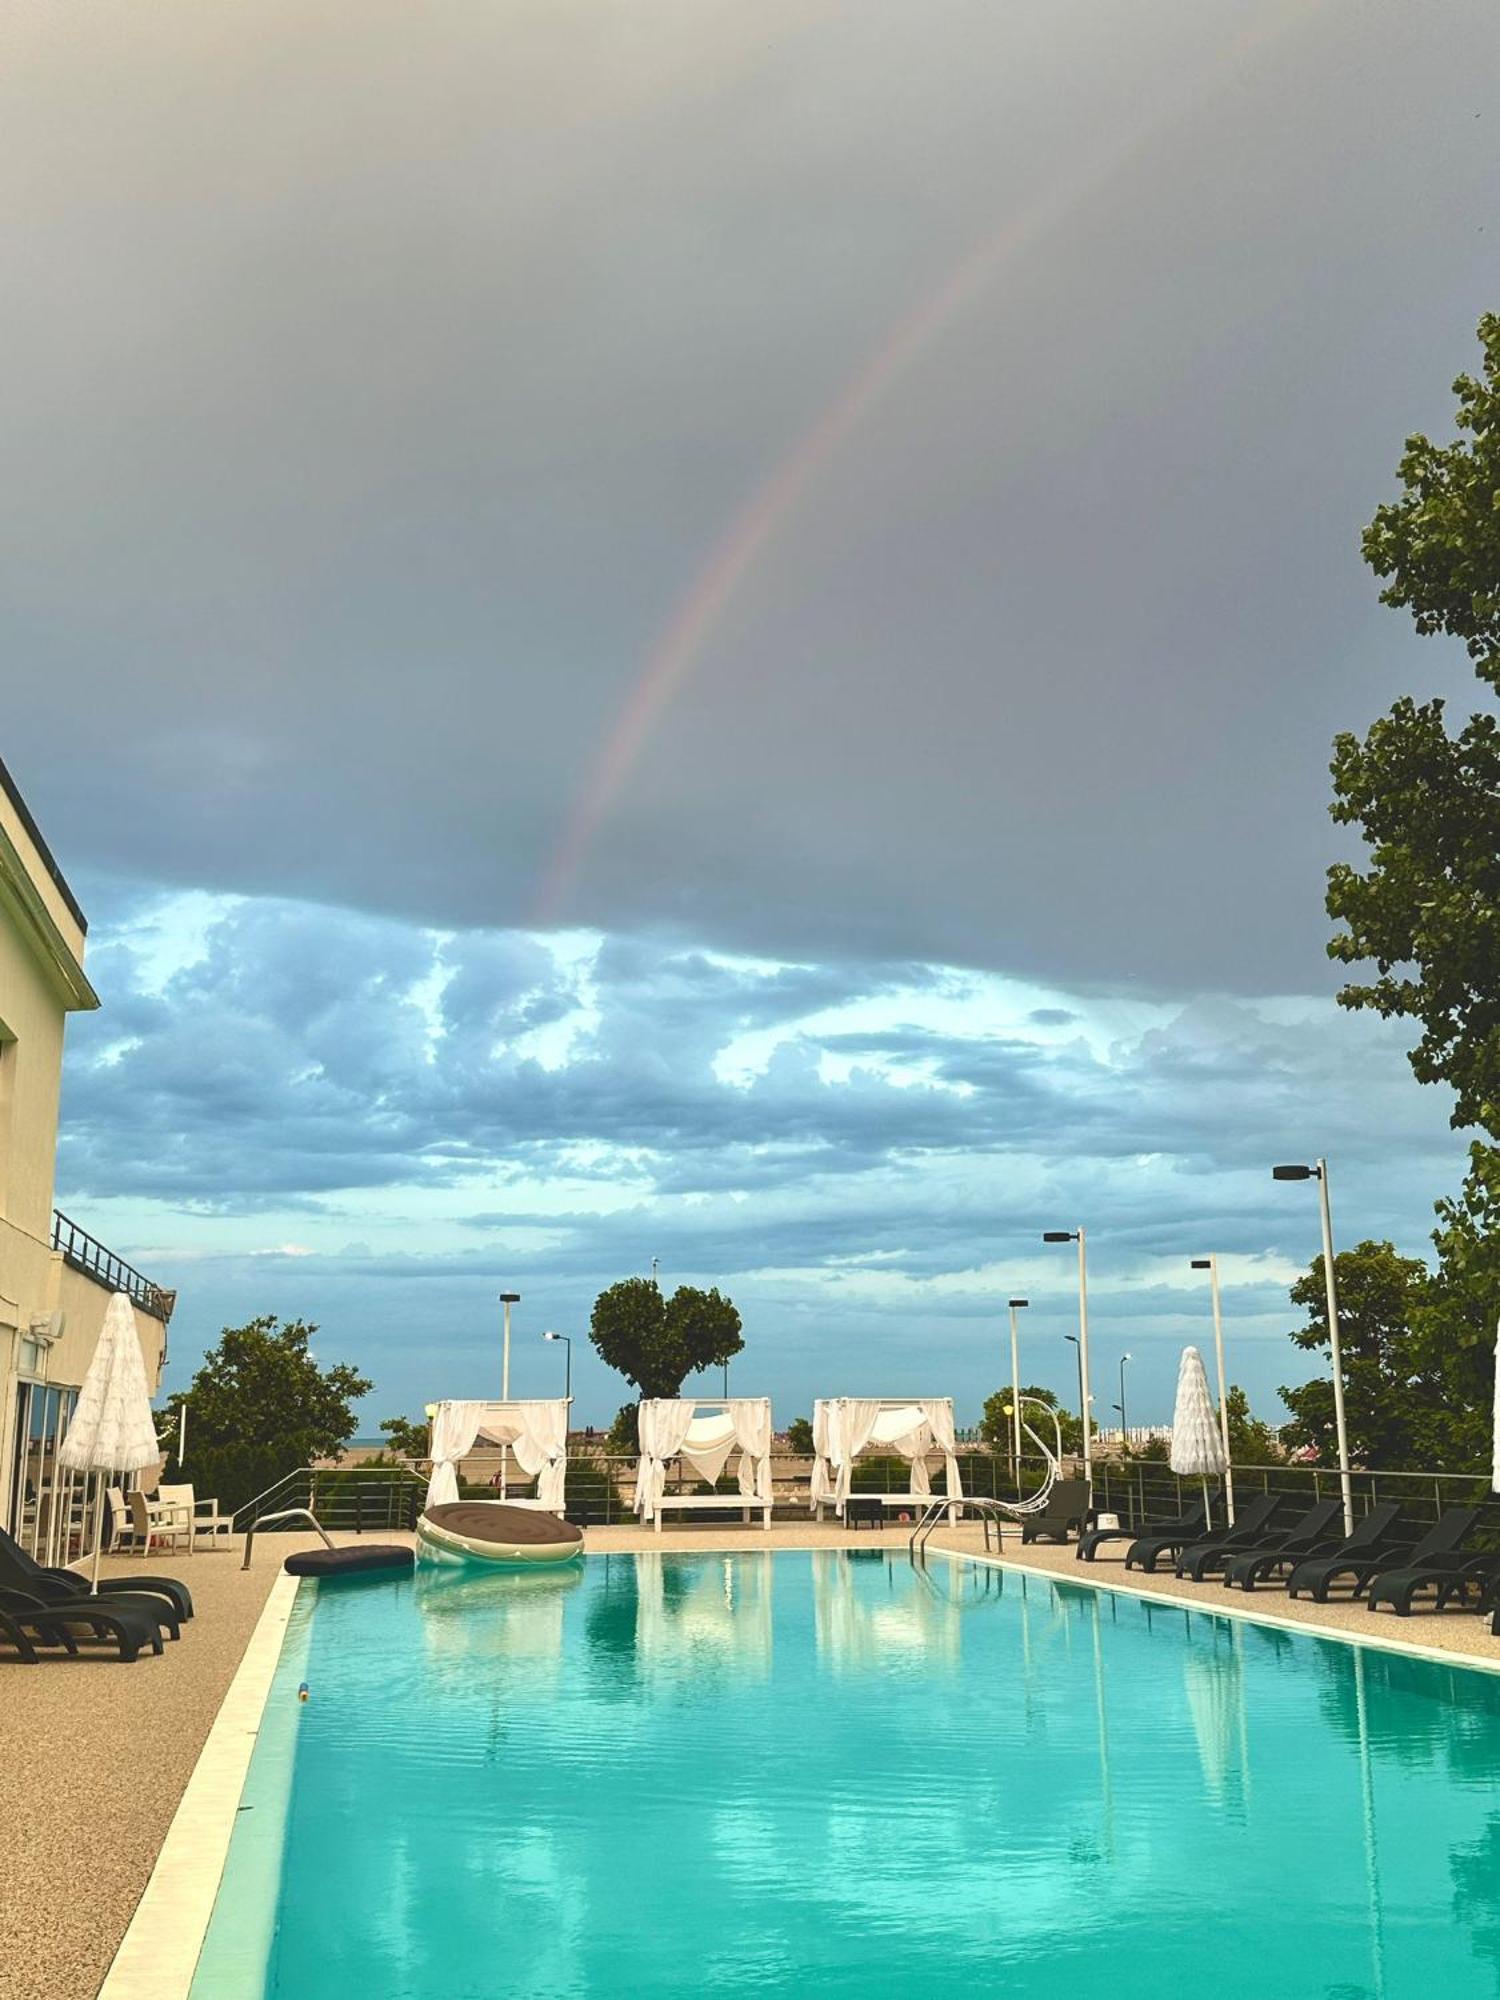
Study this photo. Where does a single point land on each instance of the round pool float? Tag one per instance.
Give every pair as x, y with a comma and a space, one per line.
491, 1534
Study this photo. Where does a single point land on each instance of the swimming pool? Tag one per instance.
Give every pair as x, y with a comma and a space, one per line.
835, 1774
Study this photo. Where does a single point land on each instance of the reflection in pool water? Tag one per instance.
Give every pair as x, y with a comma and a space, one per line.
784, 1773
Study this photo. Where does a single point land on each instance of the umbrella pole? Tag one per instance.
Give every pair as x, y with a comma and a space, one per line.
98, 1531
1207, 1517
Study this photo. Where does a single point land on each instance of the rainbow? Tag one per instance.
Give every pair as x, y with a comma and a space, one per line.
772, 504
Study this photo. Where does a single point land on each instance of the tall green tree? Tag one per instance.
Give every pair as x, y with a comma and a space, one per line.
1424, 913
1407, 1403
656, 1342
261, 1386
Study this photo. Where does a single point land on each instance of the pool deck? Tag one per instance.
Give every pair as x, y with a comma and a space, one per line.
95, 1756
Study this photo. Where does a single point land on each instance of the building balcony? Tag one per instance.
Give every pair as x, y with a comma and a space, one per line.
85, 1253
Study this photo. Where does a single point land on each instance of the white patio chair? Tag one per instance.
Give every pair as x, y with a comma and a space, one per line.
154, 1521
203, 1526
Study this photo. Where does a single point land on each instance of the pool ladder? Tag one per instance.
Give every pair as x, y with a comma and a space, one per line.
996, 1512
287, 1514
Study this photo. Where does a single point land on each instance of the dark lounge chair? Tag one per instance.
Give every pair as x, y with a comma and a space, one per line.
96, 1617
1250, 1529
864, 1510
1373, 1535
1318, 1575
16, 1636
1201, 1559
1190, 1524
1067, 1505
20, 1571
1447, 1572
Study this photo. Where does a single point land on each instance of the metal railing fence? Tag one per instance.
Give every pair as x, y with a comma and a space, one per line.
86, 1253
600, 1488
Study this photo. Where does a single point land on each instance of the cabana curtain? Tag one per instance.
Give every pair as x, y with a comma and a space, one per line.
702, 1433
845, 1426
536, 1431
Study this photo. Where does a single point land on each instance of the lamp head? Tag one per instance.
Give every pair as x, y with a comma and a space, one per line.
1294, 1173
1058, 1235
1202, 1264
1020, 1302
510, 1298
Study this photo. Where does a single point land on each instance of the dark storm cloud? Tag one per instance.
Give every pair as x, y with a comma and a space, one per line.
378, 379
309, 1054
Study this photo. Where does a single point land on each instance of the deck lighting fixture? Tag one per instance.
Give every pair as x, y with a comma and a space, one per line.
1082, 1337
1318, 1172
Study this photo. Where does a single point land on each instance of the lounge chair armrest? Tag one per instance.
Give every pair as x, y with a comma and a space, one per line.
199, 1505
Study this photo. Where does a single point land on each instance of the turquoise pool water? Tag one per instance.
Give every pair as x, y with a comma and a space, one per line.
833, 1774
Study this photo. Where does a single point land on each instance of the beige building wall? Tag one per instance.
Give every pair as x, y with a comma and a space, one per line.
51, 1311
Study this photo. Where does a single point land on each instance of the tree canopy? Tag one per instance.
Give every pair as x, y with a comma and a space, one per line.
1425, 912
656, 1342
261, 1386
408, 1436
1415, 1391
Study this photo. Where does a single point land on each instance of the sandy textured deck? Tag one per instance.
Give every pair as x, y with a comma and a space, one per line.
94, 1756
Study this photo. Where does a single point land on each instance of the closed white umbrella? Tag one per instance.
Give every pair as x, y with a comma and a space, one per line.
112, 1429
1197, 1448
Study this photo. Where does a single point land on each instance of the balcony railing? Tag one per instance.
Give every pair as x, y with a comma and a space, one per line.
85, 1253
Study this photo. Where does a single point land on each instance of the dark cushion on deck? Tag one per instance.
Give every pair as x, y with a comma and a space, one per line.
346, 1562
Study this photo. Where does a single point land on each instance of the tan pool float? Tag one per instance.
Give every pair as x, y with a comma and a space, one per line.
492, 1533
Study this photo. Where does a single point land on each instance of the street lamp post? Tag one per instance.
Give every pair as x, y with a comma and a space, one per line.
1319, 1172
1077, 1236
1120, 1406
1211, 1265
507, 1300
1016, 1305
567, 1342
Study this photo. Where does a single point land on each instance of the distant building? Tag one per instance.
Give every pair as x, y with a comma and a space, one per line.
55, 1280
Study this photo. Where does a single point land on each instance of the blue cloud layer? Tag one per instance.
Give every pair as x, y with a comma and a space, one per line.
315, 1110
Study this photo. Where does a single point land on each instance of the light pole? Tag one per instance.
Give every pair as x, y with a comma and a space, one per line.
1078, 1353
507, 1300
1319, 1172
1077, 1236
1016, 1305
1211, 1265
567, 1342
1120, 1406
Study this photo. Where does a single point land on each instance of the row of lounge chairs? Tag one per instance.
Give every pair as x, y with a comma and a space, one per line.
1300, 1546
43, 1608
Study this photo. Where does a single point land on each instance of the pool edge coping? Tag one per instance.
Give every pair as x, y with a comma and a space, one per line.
1436, 1655
158, 1956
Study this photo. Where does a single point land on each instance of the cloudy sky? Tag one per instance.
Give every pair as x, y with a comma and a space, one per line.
709, 631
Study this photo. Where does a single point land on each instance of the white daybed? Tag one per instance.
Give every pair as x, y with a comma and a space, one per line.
702, 1433
537, 1432
845, 1426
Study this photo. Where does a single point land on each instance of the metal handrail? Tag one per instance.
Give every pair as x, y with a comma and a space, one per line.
291, 1514
87, 1254
988, 1510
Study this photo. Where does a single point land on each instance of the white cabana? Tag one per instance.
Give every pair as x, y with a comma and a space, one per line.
703, 1432
911, 1426
537, 1432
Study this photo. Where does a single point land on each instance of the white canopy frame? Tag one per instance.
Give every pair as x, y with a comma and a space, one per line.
703, 1431
536, 1430
846, 1426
